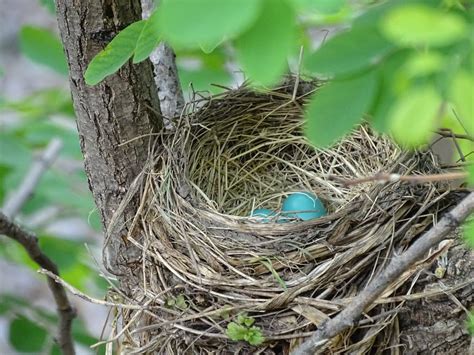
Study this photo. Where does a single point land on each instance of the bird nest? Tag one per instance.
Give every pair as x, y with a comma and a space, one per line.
216, 281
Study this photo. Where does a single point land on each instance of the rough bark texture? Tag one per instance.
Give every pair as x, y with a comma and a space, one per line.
438, 325
166, 75
111, 114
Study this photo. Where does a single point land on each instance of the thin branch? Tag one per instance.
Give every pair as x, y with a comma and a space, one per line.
397, 266
85, 297
297, 79
14, 203
66, 311
384, 178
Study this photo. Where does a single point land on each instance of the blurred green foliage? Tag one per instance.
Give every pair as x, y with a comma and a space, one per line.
418, 54
406, 66
37, 119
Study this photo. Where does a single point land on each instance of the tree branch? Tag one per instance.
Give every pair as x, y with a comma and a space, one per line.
397, 266
166, 74
14, 203
65, 310
384, 178
446, 132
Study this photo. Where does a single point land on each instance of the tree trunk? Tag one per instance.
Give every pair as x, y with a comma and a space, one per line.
109, 115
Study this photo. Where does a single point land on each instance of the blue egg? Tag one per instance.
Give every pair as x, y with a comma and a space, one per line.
303, 205
261, 213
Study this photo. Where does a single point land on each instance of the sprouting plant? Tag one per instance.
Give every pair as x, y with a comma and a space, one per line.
178, 302
244, 330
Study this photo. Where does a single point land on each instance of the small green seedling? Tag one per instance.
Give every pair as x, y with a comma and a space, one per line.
244, 330
470, 323
178, 302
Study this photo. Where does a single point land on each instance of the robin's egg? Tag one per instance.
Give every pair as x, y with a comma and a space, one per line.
303, 205
263, 215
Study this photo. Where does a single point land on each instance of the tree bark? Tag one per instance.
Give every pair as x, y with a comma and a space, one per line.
110, 115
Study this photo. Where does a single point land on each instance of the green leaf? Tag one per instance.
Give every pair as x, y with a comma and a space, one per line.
390, 80
254, 336
417, 24
188, 23
243, 319
470, 179
65, 253
14, 153
208, 47
263, 49
116, 54
248, 321
326, 6
350, 51
470, 323
236, 331
43, 103
181, 302
49, 4
202, 78
424, 63
148, 39
12, 303
25, 336
43, 47
81, 335
337, 107
413, 117
461, 94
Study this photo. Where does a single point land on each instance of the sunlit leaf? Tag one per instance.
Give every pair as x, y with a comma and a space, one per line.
337, 107
236, 331
189, 23
349, 51
417, 24
461, 94
424, 63
413, 117
43, 47
26, 336
148, 39
209, 46
263, 49
254, 336
116, 54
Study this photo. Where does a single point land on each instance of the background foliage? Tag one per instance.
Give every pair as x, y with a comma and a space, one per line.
405, 66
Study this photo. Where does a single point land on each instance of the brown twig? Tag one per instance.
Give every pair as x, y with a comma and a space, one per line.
397, 266
65, 310
446, 132
384, 178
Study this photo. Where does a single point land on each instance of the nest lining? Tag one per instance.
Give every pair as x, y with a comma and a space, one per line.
245, 150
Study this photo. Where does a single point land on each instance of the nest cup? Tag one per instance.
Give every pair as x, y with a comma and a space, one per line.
205, 261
